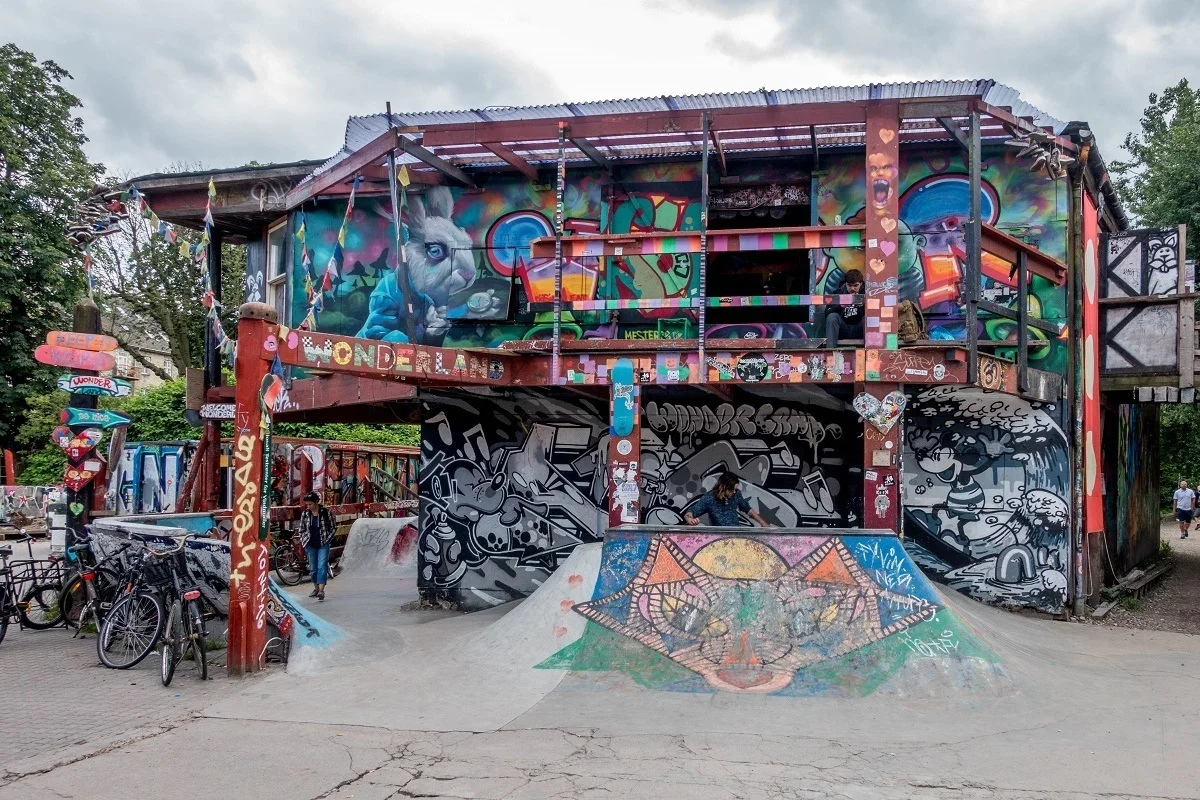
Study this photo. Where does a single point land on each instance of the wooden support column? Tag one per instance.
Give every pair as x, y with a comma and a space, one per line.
250, 546
702, 297
882, 224
560, 189
881, 456
624, 445
974, 244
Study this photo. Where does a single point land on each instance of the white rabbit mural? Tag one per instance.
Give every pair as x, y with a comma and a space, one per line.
440, 265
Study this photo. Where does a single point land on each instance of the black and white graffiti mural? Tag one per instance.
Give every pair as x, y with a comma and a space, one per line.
985, 488
510, 486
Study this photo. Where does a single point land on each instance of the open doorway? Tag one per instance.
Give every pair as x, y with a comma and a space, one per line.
759, 273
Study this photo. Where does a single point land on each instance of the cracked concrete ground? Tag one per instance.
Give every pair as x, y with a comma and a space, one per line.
1091, 712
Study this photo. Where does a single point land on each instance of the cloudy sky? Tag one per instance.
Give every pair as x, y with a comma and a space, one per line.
222, 82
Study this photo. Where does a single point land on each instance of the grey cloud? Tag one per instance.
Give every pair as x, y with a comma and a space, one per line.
1074, 66
167, 82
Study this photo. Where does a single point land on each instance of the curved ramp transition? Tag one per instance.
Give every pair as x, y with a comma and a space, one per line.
715, 609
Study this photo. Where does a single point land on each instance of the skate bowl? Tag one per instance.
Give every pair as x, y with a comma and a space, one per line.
381, 547
797, 612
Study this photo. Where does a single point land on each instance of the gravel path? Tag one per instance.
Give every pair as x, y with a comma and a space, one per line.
1174, 604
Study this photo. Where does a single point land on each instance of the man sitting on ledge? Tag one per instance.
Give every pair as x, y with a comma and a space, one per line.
846, 320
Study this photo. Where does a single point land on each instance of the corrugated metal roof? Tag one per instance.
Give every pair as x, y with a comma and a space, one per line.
360, 130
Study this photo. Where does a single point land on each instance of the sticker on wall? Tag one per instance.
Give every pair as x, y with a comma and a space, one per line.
623, 404
883, 414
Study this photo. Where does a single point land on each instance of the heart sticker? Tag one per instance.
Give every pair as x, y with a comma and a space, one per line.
76, 509
887, 246
886, 135
75, 479
62, 436
876, 265
888, 224
270, 344
293, 339
883, 414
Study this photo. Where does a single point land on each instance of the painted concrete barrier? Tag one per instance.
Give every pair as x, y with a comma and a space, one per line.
789, 611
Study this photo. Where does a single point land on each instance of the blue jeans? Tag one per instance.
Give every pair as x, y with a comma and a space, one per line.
318, 564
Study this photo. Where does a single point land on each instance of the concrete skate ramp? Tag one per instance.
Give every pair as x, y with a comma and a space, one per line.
813, 612
544, 622
381, 546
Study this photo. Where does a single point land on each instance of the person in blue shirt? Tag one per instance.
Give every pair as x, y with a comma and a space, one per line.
722, 504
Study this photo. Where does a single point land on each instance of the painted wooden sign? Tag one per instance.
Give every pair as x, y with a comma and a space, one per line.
94, 385
101, 419
69, 357
80, 445
75, 478
82, 341
217, 411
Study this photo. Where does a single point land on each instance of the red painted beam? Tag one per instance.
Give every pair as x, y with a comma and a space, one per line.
513, 160
1006, 247
347, 168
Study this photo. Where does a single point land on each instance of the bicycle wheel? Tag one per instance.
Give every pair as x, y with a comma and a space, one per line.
3, 623
289, 568
73, 598
130, 630
172, 641
196, 628
39, 607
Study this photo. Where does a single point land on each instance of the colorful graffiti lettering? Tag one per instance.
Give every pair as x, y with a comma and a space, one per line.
509, 487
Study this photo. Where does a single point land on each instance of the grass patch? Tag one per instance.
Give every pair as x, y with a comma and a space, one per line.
1131, 603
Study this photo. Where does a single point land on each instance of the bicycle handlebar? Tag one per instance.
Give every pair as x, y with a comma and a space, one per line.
170, 551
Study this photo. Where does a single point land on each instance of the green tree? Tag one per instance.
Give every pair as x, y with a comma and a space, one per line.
149, 292
43, 174
1160, 182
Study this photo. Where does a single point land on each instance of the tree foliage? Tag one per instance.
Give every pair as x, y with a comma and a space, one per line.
43, 174
149, 292
1160, 182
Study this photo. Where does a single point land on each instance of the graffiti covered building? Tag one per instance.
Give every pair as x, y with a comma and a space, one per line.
594, 309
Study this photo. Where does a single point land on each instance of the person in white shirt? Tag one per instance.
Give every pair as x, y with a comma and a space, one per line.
1185, 507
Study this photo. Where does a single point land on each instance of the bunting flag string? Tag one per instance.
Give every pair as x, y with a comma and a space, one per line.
135, 202
333, 269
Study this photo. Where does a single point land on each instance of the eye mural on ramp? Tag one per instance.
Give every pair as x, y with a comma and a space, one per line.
765, 614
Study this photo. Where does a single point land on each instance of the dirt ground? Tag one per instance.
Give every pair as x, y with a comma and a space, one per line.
1174, 603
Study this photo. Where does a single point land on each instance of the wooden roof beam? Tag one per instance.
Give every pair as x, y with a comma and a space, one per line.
589, 150
513, 160
716, 140
427, 157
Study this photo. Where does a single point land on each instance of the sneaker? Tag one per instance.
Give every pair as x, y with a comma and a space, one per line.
314, 593
1184, 536
321, 597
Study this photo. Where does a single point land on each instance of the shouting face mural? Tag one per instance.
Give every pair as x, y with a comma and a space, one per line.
882, 181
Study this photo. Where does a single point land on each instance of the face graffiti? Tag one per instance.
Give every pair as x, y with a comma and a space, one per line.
883, 176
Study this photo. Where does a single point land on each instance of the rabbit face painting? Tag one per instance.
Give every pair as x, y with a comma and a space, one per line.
440, 264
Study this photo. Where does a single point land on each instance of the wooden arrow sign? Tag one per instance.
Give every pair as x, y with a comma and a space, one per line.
81, 341
94, 385
101, 419
71, 358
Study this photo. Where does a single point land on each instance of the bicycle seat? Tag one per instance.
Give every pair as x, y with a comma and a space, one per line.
5, 551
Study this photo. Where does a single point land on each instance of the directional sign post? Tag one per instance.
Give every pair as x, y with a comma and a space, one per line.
82, 341
69, 357
95, 385
75, 417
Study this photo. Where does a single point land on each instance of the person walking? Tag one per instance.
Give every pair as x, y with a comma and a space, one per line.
1185, 507
846, 320
316, 531
722, 504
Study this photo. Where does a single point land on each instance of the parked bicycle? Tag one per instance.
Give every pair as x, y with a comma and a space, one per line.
29, 590
185, 629
135, 622
93, 587
290, 562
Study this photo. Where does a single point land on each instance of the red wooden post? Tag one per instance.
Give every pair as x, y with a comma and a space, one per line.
624, 446
883, 429
249, 560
